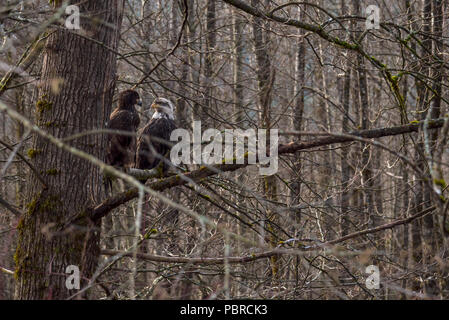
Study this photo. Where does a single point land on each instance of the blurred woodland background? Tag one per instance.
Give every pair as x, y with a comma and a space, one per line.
363, 157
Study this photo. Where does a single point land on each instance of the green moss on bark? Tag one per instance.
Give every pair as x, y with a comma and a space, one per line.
43, 105
32, 153
53, 172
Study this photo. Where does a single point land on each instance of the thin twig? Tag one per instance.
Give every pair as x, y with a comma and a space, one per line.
10, 207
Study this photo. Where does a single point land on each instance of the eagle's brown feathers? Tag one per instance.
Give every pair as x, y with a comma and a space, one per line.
121, 148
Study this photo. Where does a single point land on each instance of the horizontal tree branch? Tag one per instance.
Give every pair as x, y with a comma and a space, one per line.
208, 261
371, 133
139, 174
382, 227
109, 204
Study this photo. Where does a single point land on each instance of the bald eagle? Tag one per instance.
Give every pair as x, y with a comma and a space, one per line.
153, 141
121, 148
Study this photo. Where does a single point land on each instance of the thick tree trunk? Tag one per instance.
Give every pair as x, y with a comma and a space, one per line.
78, 78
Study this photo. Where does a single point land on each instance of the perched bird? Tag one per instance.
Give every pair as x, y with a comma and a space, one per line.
154, 138
121, 148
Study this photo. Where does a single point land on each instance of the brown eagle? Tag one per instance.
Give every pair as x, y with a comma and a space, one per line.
154, 138
121, 148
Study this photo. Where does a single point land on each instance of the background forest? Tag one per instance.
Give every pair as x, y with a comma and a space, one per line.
363, 123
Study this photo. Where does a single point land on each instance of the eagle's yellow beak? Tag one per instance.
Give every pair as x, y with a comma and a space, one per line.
155, 106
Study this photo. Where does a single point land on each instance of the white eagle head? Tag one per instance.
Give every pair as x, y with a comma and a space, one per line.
164, 108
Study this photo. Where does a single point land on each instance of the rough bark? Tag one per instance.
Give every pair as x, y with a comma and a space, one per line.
85, 71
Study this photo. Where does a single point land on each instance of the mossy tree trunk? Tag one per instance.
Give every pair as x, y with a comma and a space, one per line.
77, 84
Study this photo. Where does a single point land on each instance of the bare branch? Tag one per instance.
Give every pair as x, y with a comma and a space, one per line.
207, 261
10, 207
